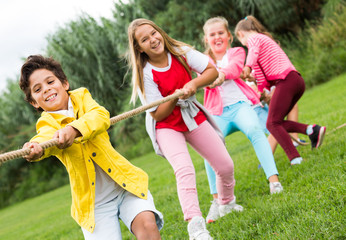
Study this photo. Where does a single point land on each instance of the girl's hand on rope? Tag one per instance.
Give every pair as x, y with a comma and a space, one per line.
267, 96
218, 81
66, 136
250, 78
189, 90
264, 97
36, 151
246, 73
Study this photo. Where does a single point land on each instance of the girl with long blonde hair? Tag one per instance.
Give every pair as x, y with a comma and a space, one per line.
160, 67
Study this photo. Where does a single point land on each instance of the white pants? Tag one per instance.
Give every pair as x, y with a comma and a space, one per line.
125, 207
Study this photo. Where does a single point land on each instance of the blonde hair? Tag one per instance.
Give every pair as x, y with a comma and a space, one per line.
209, 22
250, 23
137, 59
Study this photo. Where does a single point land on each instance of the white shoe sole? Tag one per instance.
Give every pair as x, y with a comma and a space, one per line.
320, 136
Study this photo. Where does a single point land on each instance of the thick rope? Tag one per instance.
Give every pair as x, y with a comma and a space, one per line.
333, 130
143, 108
329, 132
299, 142
53, 142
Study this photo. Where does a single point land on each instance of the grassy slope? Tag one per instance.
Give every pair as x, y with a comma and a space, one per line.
312, 206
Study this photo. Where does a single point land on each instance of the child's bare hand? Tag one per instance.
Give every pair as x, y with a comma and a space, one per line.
189, 90
246, 72
66, 136
266, 97
219, 81
241, 76
36, 151
250, 78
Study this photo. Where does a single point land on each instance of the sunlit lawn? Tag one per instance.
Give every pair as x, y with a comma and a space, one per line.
311, 206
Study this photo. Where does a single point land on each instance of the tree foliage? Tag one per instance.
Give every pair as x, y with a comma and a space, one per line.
18, 179
320, 52
89, 59
184, 20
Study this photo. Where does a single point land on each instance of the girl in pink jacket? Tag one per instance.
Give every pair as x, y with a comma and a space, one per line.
273, 68
229, 99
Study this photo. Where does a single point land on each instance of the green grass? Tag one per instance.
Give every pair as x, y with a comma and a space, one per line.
311, 206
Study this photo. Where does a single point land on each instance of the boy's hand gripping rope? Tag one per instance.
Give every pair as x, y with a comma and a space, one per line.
53, 142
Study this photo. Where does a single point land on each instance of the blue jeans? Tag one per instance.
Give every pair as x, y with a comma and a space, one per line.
262, 114
241, 117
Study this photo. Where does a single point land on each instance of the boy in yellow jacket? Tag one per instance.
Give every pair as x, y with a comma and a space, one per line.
104, 185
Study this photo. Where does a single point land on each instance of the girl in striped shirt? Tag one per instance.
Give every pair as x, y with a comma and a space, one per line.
273, 68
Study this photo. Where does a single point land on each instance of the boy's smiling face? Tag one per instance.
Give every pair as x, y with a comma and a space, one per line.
47, 91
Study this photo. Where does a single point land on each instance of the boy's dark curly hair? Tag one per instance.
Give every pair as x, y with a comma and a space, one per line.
35, 62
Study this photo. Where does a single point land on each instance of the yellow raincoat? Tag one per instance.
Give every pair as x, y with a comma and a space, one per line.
92, 121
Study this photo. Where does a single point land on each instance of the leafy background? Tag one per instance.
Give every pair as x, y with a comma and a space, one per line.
311, 32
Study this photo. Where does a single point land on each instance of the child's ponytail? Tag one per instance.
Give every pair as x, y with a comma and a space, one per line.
250, 23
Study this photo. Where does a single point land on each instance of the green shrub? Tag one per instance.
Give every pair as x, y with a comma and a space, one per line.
319, 54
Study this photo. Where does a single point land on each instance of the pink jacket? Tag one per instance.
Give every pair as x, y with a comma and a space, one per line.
212, 97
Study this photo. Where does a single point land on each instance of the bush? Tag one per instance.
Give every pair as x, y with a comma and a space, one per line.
319, 52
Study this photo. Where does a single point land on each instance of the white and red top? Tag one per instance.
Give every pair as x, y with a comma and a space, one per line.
161, 82
268, 60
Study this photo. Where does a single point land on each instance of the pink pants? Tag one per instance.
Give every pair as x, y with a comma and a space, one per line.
209, 145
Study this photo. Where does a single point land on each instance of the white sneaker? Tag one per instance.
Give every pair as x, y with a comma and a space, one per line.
275, 187
301, 141
295, 144
213, 213
296, 161
197, 229
229, 207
